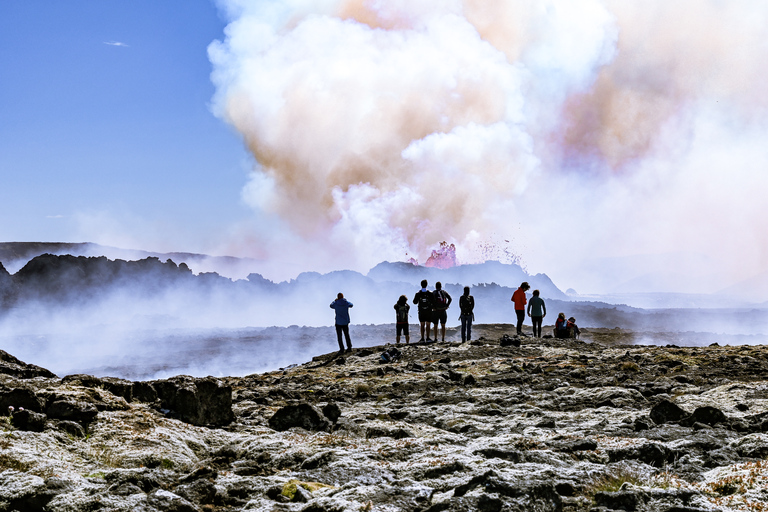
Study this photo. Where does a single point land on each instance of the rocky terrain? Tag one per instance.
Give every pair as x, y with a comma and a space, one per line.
497, 424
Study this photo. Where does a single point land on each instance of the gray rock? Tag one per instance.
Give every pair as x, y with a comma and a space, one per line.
302, 415
72, 410
205, 402
667, 412
29, 420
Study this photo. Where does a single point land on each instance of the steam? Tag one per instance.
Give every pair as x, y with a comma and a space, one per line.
572, 129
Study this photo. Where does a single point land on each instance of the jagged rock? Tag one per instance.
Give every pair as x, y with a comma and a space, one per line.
508, 341
79, 412
70, 427
166, 501
706, 415
332, 411
29, 420
302, 415
20, 397
10, 365
197, 401
667, 412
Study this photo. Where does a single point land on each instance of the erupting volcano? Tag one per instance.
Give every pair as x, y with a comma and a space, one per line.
444, 257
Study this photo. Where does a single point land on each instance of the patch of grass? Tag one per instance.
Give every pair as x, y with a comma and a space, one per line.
612, 482
291, 488
10, 462
96, 474
166, 463
629, 366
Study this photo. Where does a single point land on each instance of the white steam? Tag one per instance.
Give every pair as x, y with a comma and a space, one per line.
575, 129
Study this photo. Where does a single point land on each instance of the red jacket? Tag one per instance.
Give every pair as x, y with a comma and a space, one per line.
519, 299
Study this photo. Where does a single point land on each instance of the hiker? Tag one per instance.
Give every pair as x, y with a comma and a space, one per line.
342, 305
424, 299
519, 299
467, 316
401, 313
537, 310
561, 326
442, 301
573, 329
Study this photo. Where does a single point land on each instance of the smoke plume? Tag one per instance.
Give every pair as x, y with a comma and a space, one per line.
572, 129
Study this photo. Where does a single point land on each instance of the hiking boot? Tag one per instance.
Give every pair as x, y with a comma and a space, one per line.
349, 349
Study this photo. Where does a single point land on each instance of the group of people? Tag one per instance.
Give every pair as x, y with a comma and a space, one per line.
537, 310
433, 310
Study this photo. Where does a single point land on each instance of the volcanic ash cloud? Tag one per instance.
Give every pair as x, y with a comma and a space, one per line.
604, 127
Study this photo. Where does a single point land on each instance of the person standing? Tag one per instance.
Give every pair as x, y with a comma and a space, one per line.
519, 299
442, 302
467, 316
342, 305
537, 310
401, 314
424, 300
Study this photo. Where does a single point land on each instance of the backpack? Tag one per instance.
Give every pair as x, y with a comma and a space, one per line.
402, 314
440, 299
425, 301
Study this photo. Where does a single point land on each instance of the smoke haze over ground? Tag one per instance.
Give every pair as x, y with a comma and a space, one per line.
576, 135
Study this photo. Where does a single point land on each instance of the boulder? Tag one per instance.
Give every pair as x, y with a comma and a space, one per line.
706, 415
205, 402
9, 365
72, 410
332, 411
21, 397
28, 420
302, 415
667, 412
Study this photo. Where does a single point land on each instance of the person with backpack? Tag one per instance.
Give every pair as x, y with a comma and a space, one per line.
519, 299
467, 316
401, 314
342, 305
537, 310
424, 300
441, 303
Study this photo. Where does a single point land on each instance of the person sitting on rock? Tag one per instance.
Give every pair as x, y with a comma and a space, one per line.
573, 329
401, 314
561, 326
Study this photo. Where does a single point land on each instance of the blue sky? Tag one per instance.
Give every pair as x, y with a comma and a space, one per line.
97, 136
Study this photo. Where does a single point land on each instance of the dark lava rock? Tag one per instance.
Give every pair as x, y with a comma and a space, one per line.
17, 398
9, 365
507, 341
445, 469
332, 412
302, 415
470, 380
396, 433
205, 402
707, 415
72, 410
200, 491
667, 412
318, 460
70, 427
653, 454
29, 420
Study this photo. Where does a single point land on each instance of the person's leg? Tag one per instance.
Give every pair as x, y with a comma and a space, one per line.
338, 336
520, 318
346, 335
464, 320
407, 335
422, 330
469, 327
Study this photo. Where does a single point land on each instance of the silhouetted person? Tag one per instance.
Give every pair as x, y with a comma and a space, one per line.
424, 300
342, 305
561, 326
537, 310
401, 314
519, 299
467, 316
440, 305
